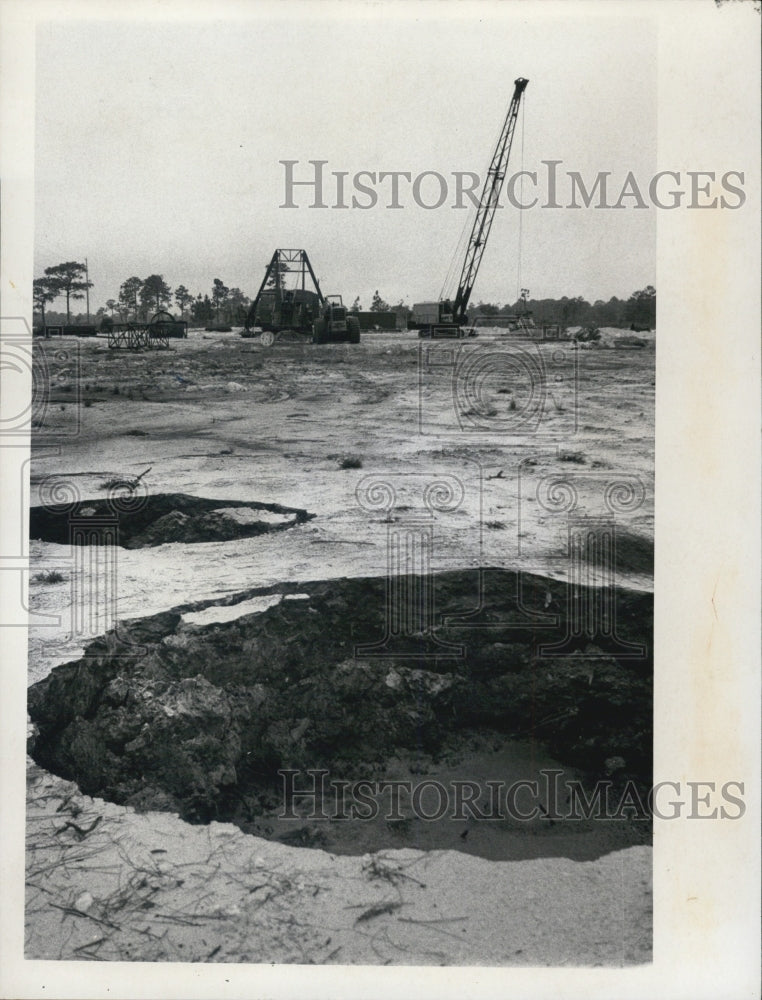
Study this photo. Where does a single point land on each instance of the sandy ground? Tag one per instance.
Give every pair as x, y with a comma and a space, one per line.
152, 888
222, 417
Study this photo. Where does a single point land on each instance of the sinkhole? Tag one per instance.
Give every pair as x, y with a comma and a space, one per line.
270, 709
138, 521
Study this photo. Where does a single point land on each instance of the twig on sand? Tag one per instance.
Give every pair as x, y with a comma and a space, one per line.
65, 802
81, 831
89, 944
119, 482
440, 920
378, 911
433, 924
339, 541
391, 873
72, 911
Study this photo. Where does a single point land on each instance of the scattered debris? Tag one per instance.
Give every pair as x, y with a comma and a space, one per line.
52, 576
575, 457
120, 482
587, 334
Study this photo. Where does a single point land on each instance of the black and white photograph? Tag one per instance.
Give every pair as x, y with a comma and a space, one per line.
380, 408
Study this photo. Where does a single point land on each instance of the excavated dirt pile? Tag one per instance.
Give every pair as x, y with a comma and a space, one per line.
141, 522
183, 713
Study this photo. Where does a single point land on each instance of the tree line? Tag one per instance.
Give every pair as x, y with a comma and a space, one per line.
639, 309
138, 298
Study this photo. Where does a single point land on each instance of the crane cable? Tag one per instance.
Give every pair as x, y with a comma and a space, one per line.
459, 251
521, 210
457, 254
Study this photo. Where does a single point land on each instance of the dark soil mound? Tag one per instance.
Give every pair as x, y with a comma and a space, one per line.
136, 522
199, 718
633, 553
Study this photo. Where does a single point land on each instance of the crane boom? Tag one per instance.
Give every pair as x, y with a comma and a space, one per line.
485, 213
447, 318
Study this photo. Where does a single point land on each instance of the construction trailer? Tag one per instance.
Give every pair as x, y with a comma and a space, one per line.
286, 302
448, 318
376, 320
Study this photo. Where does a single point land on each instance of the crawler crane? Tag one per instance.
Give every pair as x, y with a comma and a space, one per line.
448, 318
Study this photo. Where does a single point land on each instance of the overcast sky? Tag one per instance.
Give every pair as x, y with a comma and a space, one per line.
158, 145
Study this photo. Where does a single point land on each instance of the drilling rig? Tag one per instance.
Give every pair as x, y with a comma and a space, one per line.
448, 318
299, 309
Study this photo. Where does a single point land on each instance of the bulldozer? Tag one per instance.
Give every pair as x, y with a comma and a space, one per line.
334, 324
